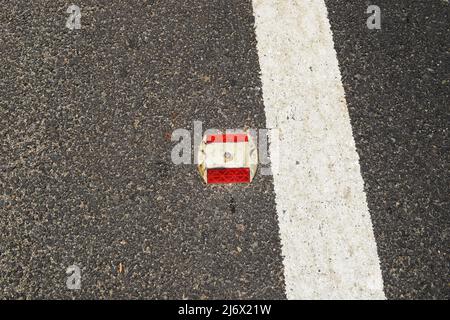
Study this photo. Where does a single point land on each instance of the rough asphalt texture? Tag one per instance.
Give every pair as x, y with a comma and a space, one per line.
397, 85
87, 179
85, 170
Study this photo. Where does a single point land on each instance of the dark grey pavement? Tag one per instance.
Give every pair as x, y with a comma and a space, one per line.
85, 171
87, 179
397, 85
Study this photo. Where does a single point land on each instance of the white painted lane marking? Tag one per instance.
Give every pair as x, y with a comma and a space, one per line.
326, 233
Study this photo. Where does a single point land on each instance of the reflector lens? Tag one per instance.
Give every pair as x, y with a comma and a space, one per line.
228, 175
229, 137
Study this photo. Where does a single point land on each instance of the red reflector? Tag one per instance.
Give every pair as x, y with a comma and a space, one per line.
228, 175
229, 137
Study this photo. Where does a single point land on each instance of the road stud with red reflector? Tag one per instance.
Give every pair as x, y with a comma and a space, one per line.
227, 158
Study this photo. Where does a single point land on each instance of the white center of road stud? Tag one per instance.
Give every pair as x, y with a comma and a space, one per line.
227, 158
325, 227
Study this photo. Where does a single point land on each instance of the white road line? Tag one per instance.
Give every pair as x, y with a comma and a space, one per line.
326, 233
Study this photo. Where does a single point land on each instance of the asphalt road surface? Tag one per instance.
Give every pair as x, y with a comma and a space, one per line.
86, 176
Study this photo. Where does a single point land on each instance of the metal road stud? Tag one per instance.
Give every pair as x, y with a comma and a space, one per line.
227, 158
